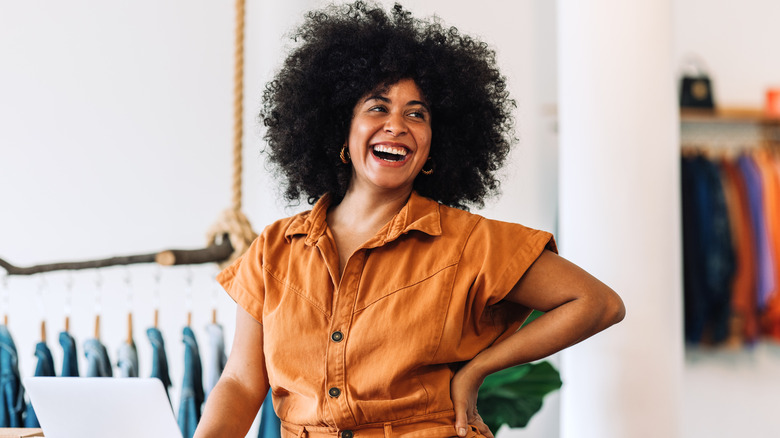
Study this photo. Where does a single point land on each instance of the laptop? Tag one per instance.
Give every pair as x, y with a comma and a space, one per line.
102, 407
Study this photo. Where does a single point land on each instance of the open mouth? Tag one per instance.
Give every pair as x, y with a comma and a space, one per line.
389, 153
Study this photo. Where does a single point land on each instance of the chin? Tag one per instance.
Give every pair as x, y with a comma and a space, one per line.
388, 184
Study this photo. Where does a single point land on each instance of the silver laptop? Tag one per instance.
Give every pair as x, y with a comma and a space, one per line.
101, 407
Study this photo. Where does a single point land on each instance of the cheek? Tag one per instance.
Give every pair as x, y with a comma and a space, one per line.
359, 133
424, 142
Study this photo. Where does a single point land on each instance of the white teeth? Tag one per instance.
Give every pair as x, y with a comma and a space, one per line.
390, 149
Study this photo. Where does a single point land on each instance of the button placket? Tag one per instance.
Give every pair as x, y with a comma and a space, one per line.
340, 324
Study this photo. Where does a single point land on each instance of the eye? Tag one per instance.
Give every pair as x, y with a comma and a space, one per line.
378, 108
419, 114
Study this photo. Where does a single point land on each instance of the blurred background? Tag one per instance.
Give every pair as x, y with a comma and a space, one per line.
116, 139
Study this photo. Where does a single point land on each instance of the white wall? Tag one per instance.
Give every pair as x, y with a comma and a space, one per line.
736, 41
731, 393
115, 138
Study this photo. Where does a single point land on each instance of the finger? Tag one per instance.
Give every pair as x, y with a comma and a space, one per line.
482, 427
461, 419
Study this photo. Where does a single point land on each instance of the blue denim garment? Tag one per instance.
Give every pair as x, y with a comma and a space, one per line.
216, 358
270, 425
45, 367
159, 358
127, 360
98, 364
192, 387
70, 359
11, 391
708, 253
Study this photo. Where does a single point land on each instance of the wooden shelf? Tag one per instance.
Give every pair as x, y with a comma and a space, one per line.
728, 115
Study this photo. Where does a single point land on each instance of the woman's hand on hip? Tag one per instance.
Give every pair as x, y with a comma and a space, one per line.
463, 390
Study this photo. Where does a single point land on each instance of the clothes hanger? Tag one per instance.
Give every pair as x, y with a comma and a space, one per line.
128, 285
214, 305
98, 309
6, 299
188, 296
41, 308
156, 296
68, 295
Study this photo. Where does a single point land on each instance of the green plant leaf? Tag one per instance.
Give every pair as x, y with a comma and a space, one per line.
514, 395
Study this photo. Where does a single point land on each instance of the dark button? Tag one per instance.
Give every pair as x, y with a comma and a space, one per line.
337, 336
334, 392
346, 434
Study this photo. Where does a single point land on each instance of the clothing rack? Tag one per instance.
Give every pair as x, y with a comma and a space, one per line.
729, 241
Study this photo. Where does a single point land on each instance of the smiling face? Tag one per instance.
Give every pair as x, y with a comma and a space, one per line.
389, 138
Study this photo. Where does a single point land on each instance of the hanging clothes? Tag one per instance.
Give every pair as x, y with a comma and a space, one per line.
765, 279
192, 387
216, 358
159, 358
11, 391
127, 360
745, 327
770, 320
708, 255
45, 367
270, 424
98, 363
70, 360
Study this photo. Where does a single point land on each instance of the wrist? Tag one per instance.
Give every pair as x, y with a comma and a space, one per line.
473, 372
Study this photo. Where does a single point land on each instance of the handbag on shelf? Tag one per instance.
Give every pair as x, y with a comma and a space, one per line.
696, 88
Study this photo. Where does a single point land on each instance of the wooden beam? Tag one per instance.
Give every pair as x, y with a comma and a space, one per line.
216, 252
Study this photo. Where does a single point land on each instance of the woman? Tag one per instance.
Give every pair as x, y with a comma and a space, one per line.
380, 311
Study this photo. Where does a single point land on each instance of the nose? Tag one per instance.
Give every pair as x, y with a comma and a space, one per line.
395, 124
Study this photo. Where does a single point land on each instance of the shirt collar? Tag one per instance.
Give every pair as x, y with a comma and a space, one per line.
419, 213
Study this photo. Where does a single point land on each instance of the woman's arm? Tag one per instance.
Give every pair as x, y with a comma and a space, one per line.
576, 306
233, 403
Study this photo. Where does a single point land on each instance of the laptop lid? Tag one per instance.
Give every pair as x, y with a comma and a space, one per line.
78, 407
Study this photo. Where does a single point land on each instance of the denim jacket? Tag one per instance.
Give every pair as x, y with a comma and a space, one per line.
192, 387
11, 391
270, 424
159, 358
98, 364
70, 360
127, 360
45, 367
216, 358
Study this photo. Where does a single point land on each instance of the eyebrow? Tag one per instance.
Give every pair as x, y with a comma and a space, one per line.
386, 100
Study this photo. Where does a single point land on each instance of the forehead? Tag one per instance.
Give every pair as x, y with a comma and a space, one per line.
404, 88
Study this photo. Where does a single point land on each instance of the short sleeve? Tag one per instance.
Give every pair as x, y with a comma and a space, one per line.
495, 257
243, 280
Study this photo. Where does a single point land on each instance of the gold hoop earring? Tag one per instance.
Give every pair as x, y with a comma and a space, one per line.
430, 171
344, 155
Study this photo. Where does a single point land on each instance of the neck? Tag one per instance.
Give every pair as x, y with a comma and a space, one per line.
367, 211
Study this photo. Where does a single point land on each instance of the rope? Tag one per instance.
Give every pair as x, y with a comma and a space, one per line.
232, 222
236, 226
238, 105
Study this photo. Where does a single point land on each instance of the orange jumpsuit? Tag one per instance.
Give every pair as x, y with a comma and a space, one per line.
372, 352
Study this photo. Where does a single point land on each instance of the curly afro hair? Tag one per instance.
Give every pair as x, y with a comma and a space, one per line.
347, 51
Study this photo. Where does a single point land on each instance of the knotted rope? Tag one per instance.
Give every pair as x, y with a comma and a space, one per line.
236, 226
232, 222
